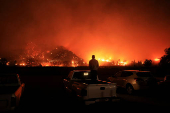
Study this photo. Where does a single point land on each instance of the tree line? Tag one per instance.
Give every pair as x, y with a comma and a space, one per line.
164, 60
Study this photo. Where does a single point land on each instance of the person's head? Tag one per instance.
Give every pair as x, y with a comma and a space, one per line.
93, 56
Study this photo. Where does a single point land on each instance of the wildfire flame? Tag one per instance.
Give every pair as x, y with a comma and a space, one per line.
22, 64
122, 63
103, 60
157, 59
46, 64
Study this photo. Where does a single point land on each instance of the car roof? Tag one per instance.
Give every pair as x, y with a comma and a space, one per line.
135, 71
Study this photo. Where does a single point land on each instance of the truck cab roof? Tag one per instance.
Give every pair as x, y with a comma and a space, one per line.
81, 70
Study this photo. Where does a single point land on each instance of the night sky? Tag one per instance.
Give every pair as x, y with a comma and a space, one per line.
115, 29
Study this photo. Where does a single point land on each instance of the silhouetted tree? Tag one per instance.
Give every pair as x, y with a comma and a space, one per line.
165, 60
139, 63
147, 63
12, 63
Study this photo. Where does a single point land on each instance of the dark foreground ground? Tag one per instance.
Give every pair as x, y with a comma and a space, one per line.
44, 92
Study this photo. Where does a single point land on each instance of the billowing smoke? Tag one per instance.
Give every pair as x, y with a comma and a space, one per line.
116, 29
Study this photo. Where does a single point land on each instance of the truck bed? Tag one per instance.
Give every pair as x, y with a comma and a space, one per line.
93, 82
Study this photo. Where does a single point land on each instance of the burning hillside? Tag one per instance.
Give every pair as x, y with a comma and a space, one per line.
33, 55
60, 56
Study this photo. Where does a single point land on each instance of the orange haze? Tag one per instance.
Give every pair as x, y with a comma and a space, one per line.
110, 29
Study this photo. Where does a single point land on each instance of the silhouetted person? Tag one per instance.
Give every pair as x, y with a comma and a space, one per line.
93, 65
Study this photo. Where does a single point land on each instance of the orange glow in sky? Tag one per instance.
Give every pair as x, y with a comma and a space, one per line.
109, 29
157, 59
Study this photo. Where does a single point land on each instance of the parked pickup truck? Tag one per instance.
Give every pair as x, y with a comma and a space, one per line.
80, 84
11, 90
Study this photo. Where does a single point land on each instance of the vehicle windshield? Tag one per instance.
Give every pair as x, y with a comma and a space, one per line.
144, 74
126, 73
82, 75
8, 79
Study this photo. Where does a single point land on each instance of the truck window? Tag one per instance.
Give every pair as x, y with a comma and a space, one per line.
126, 74
8, 79
81, 75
